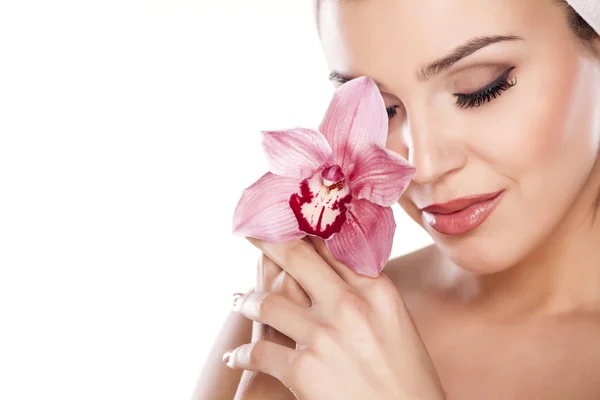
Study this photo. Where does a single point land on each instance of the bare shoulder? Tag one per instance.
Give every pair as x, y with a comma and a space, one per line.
415, 270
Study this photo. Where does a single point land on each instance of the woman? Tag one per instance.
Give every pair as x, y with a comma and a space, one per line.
497, 105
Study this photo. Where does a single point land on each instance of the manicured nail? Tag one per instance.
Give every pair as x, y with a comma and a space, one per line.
236, 297
227, 356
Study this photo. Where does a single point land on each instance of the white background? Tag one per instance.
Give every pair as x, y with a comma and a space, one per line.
128, 130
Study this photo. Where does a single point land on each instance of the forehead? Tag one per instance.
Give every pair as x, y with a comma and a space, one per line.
372, 37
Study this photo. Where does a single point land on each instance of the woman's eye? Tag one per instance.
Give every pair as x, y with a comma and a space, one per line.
487, 93
392, 111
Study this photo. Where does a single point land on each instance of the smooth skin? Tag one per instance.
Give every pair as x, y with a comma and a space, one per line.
508, 311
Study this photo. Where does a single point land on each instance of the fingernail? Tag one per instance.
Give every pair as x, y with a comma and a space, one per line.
236, 297
227, 356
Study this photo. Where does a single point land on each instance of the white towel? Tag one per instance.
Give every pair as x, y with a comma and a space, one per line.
589, 11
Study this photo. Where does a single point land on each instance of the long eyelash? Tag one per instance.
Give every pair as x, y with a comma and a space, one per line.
487, 93
392, 111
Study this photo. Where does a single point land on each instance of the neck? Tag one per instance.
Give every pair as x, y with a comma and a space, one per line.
561, 276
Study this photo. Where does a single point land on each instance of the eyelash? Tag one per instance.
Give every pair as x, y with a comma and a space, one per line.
478, 98
392, 111
487, 93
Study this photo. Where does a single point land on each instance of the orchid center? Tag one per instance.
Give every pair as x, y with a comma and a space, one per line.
320, 203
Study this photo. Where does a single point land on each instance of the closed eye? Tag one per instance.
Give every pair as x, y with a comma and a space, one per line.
487, 93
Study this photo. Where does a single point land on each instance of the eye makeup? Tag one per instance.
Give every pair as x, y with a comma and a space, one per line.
478, 97
487, 93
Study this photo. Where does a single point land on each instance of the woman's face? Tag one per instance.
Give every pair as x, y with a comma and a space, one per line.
484, 97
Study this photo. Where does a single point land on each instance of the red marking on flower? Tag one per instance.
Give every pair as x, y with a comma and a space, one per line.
320, 209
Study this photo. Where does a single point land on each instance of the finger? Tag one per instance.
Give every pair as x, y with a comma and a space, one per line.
279, 312
266, 332
277, 280
266, 273
381, 293
285, 284
263, 356
345, 272
306, 266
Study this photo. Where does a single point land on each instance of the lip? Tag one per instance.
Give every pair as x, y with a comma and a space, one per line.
461, 216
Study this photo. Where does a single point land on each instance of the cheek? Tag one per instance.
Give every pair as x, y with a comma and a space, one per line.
545, 128
398, 134
530, 135
397, 142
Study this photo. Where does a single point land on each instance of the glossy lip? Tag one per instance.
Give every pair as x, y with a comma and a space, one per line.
462, 215
459, 204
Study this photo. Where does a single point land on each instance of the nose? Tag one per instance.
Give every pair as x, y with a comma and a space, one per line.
433, 150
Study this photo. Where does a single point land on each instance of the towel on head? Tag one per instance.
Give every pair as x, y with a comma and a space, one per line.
589, 11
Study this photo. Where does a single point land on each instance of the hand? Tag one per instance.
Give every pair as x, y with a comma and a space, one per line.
357, 341
270, 278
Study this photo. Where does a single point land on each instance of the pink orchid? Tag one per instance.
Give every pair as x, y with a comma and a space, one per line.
337, 184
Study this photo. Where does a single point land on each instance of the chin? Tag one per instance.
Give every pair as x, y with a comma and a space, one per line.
493, 247
480, 255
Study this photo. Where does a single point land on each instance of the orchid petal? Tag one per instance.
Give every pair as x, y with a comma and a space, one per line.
380, 176
320, 209
264, 213
296, 153
365, 241
356, 119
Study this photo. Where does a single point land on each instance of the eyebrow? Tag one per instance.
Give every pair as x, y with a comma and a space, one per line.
446, 62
